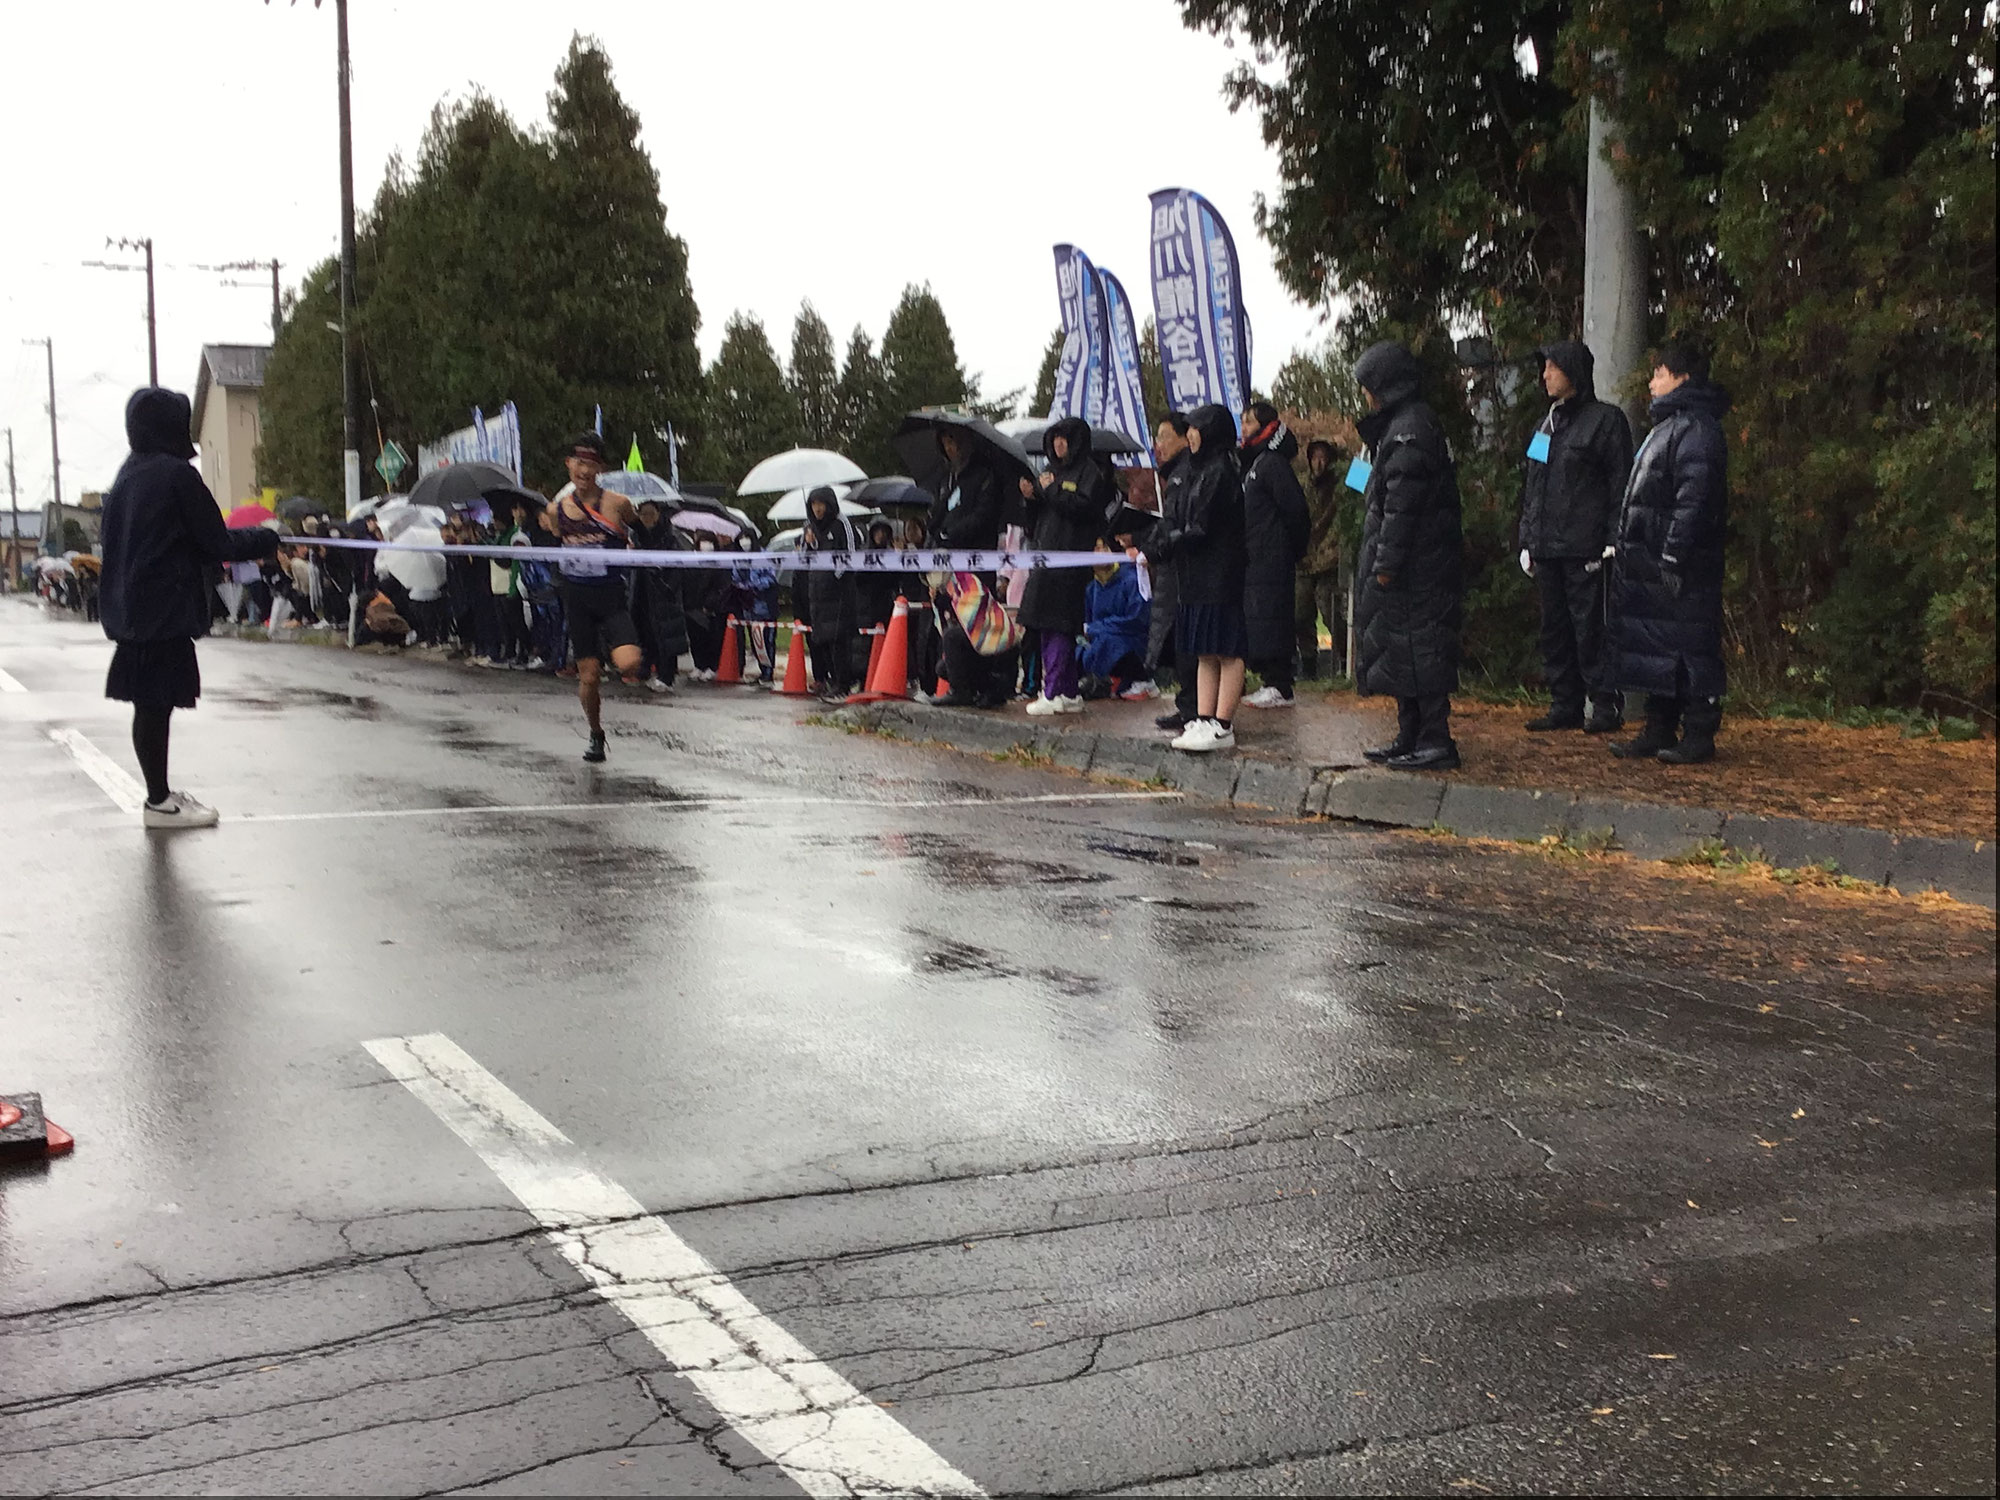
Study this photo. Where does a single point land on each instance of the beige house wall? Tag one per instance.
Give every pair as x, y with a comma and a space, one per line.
231, 427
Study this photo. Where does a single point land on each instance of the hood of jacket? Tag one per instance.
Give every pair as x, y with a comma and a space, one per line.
1391, 372
159, 421
1218, 431
1280, 440
881, 535
832, 525
1074, 431
1694, 398
1577, 362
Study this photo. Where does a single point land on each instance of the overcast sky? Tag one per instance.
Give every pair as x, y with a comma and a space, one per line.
830, 151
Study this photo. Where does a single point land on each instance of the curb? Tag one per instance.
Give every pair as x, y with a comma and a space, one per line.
1960, 868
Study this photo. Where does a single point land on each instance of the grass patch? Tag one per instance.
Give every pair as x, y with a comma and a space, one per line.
1714, 854
1583, 844
1022, 755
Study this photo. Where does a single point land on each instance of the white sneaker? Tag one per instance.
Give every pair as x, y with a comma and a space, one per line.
658, 684
535, 664
1138, 692
1268, 697
1042, 708
179, 811
1220, 738
1071, 703
1198, 738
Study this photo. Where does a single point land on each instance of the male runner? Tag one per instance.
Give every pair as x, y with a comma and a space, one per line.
593, 520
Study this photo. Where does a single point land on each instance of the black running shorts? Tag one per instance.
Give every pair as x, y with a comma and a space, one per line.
600, 619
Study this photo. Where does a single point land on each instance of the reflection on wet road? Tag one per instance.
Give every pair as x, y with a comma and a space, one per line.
1062, 1144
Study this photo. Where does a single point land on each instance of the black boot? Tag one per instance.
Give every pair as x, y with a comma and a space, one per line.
1428, 758
1382, 753
1704, 718
1554, 720
1658, 735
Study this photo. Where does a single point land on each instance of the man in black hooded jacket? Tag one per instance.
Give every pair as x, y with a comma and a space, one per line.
162, 532
1667, 581
1573, 479
1410, 583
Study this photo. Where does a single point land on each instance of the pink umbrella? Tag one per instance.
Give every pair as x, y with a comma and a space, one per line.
246, 516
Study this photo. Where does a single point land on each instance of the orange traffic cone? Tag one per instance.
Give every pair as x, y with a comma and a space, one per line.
731, 669
795, 667
892, 671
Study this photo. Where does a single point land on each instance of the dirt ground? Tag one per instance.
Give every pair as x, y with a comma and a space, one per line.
1785, 767
1869, 948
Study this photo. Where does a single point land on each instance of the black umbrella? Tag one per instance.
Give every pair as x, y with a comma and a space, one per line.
1106, 442
299, 507
891, 492
506, 496
460, 484
917, 446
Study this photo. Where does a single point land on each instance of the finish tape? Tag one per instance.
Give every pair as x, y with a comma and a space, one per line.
873, 561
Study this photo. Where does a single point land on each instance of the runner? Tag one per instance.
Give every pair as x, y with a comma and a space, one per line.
594, 594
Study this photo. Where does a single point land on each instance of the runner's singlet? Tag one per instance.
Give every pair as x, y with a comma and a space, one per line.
588, 533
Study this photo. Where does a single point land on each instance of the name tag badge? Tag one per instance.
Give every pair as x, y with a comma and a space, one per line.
1357, 474
1538, 447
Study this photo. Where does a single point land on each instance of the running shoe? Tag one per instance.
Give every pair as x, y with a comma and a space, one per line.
1269, 697
1138, 692
179, 811
595, 752
658, 684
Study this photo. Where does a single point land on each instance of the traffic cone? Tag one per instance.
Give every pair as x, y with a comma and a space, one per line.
795, 667
731, 669
892, 672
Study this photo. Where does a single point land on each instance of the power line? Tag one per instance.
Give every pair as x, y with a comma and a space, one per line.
152, 318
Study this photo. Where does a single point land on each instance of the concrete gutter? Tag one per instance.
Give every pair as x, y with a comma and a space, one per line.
1961, 868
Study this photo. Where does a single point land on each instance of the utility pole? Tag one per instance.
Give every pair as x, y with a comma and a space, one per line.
55, 454
1614, 269
152, 313
277, 301
14, 511
350, 386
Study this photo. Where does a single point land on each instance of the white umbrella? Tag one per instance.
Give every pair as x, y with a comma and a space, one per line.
422, 573
792, 508
400, 517
800, 468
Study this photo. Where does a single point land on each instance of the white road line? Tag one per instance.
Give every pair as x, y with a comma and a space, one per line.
116, 781
828, 1436
700, 804
10, 683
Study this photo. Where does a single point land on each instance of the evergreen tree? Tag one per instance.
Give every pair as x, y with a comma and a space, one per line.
507, 265
814, 379
751, 414
1045, 378
1152, 379
868, 417
919, 357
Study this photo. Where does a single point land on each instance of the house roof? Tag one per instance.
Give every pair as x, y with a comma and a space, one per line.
31, 522
231, 366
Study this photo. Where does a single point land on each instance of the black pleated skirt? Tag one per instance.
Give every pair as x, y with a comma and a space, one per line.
154, 674
1210, 630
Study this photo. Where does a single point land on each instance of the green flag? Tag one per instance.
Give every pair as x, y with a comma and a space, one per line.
633, 463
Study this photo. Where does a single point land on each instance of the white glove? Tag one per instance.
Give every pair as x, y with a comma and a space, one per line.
1527, 563
1593, 565
1610, 551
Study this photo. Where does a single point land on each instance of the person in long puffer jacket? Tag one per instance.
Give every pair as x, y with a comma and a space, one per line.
1410, 582
830, 595
1067, 514
1276, 528
1666, 586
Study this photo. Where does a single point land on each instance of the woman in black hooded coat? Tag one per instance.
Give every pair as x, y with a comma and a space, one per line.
1410, 584
1066, 515
1276, 528
830, 602
1201, 539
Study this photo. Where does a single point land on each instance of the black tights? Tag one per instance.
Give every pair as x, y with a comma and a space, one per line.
149, 743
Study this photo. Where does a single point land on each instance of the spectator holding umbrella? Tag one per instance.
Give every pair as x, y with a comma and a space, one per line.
1410, 588
1276, 527
1571, 484
161, 530
1067, 514
1667, 588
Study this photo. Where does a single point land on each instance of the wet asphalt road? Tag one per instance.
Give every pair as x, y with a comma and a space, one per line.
1101, 1145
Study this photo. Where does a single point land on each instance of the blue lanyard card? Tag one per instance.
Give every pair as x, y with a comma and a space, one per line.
1538, 447
1357, 474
